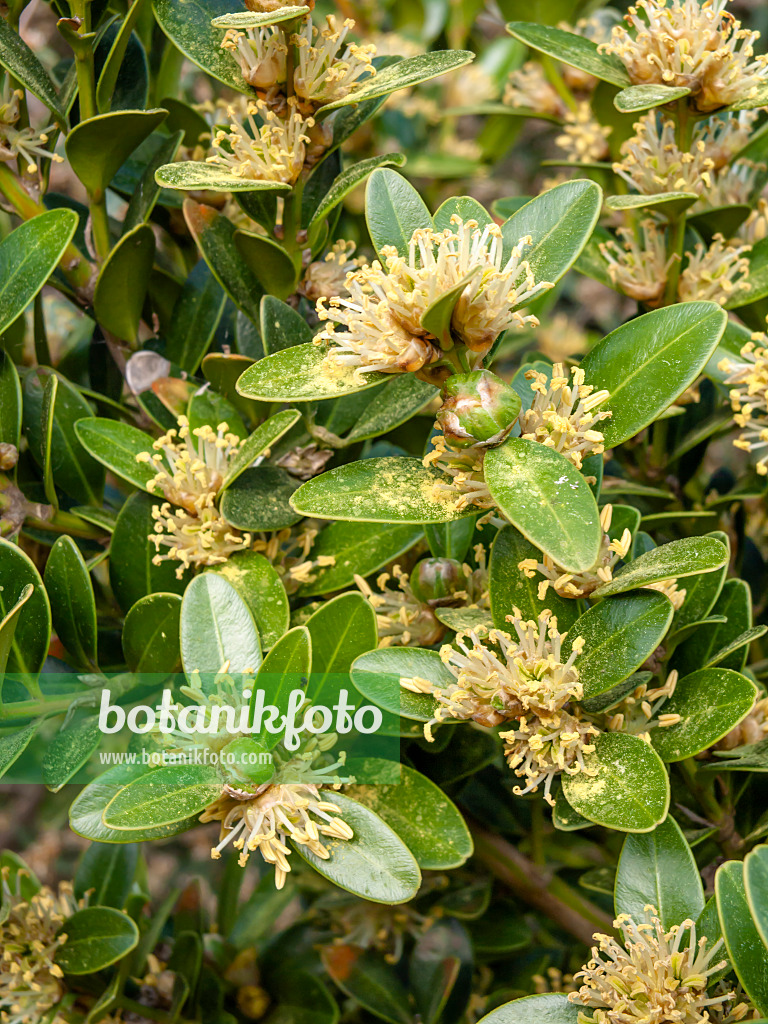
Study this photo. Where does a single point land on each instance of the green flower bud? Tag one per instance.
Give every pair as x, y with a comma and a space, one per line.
247, 761
477, 408
434, 581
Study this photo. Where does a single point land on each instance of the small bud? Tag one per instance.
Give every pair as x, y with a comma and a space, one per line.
434, 581
477, 407
9, 455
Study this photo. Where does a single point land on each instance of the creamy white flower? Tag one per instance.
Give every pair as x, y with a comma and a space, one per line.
329, 67
274, 150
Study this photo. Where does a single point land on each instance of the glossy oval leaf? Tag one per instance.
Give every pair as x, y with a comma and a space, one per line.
346, 182
22, 65
69, 750
31, 635
402, 75
259, 584
756, 886
217, 627
548, 1008
188, 24
289, 661
577, 51
96, 938
658, 868
637, 98
393, 210
377, 676
395, 403
388, 490
98, 148
375, 864
73, 605
619, 634
649, 361
163, 797
429, 824
259, 500
630, 790
263, 437
151, 634
123, 281
686, 557
132, 572
300, 374
115, 445
710, 703
28, 257
547, 499
195, 175
746, 950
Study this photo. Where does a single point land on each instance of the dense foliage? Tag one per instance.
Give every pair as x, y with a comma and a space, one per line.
413, 352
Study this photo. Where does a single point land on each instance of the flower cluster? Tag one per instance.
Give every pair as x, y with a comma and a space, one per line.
653, 976
749, 398
523, 679
700, 46
22, 142
323, 279
642, 709
584, 140
30, 935
562, 414
274, 150
267, 818
383, 316
191, 466
570, 584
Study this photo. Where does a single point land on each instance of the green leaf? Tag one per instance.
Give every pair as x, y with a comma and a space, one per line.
710, 702
746, 949
451, 540
461, 206
756, 887
637, 98
679, 558
108, 872
619, 634
108, 78
69, 750
436, 835
369, 980
406, 73
341, 630
259, 19
375, 864
559, 222
649, 361
21, 63
132, 574
115, 445
576, 51
437, 318
215, 237
356, 548
28, 257
13, 745
440, 967
195, 175
263, 437
32, 614
122, 283
630, 790
196, 315
147, 191
10, 401
345, 183
388, 490
74, 471
393, 211
673, 203
216, 627
96, 938
703, 590
259, 500
258, 583
510, 588
394, 403
658, 868
163, 797
735, 603
85, 813
289, 660
281, 326
97, 148
549, 1008
73, 605
188, 24
298, 374
8, 626
151, 634
547, 499
48, 410
268, 262
377, 676
208, 408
